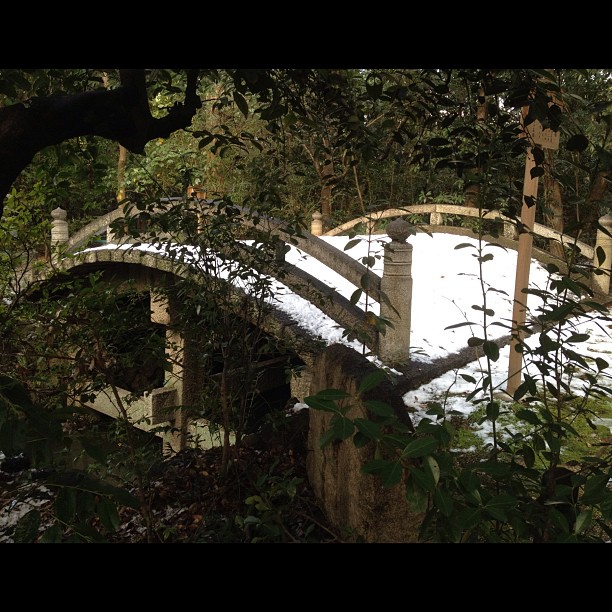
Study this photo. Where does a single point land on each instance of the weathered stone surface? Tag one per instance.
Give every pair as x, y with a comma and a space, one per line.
353, 501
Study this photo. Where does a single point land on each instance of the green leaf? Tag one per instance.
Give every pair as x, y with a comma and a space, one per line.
583, 521
443, 501
420, 447
359, 440
327, 438
375, 466
553, 441
8, 89
595, 489
379, 408
492, 410
469, 518
468, 480
392, 474
483, 309
498, 505
53, 535
389, 472
88, 533
438, 142
315, 402
369, 261
491, 350
109, 516
355, 296
372, 380
95, 451
368, 428
456, 325
521, 390
465, 245
494, 468
537, 171
468, 378
241, 103
26, 529
434, 409
538, 442
574, 338
332, 394
602, 364
528, 455
415, 496
65, 505
351, 243
560, 313
374, 86
121, 496
366, 282
431, 465
423, 478
473, 341
578, 142
601, 255
342, 427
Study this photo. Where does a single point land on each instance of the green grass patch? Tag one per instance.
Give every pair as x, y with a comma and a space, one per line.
591, 423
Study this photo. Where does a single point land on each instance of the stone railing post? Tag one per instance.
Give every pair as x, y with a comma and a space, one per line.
435, 218
316, 225
396, 284
601, 282
59, 232
510, 232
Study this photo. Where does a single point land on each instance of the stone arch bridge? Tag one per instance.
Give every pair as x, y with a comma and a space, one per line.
151, 272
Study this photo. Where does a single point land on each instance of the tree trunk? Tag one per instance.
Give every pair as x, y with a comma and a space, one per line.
121, 173
121, 114
326, 192
472, 190
592, 211
553, 204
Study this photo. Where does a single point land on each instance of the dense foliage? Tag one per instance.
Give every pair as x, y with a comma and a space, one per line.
287, 143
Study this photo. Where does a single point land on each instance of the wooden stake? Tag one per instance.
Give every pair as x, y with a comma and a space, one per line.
523, 265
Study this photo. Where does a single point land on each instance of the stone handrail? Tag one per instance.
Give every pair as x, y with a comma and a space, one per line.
337, 260
81, 237
394, 346
437, 210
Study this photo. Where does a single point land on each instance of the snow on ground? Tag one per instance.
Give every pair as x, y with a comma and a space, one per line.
446, 287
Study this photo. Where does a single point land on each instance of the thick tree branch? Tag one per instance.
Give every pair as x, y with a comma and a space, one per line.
122, 115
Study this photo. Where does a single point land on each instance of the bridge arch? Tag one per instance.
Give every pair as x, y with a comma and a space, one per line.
157, 274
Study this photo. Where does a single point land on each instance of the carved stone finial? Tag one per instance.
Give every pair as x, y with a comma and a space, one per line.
606, 221
398, 230
59, 214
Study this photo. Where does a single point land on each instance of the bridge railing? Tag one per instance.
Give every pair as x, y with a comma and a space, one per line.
600, 255
436, 214
393, 344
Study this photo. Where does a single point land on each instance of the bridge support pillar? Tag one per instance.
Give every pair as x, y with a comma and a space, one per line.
183, 374
396, 284
602, 257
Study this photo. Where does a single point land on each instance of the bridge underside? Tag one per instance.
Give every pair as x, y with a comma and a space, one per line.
166, 407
